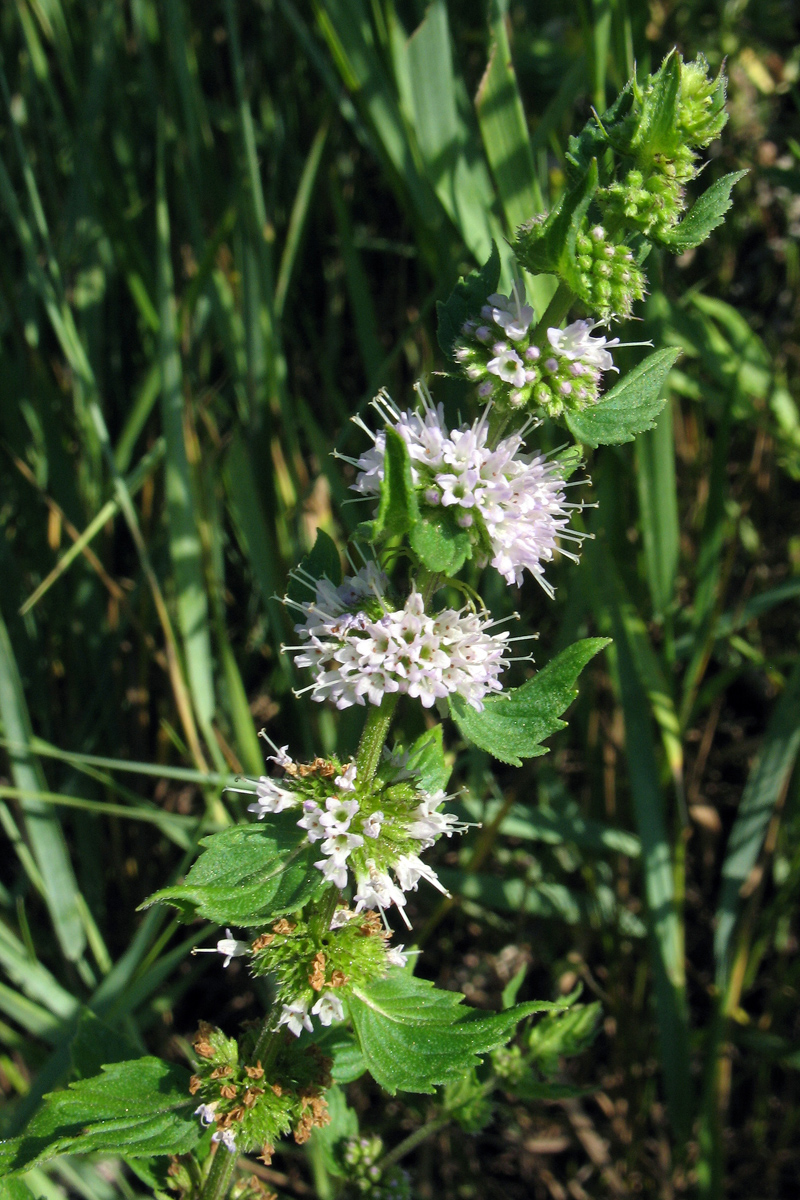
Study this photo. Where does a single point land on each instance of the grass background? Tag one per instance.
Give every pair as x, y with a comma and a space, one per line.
224, 226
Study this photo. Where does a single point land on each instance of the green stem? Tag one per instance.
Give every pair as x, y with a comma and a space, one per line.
266, 1047
554, 314
220, 1176
413, 1140
373, 738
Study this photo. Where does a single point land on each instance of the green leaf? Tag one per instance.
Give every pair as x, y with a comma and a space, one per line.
322, 561
512, 726
630, 407
415, 1037
340, 1043
398, 509
466, 300
705, 214
658, 131
248, 875
140, 1108
426, 758
441, 545
95, 1045
549, 246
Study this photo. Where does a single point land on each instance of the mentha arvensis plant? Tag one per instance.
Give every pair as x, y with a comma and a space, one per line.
309, 892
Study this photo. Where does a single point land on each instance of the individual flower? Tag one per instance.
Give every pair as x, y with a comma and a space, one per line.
270, 798
395, 956
513, 504
228, 946
338, 815
206, 1113
311, 821
360, 648
376, 889
576, 344
346, 782
295, 1017
328, 1008
227, 1137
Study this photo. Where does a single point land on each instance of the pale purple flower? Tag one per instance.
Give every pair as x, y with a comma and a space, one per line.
295, 1017
508, 366
341, 917
372, 826
575, 344
227, 1137
338, 815
328, 1008
229, 946
377, 890
513, 317
409, 869
311, 821
270, 798
395, 956
346, 782
206, 1112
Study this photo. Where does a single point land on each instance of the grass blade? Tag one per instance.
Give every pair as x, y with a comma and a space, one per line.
765, 789
41, 823
185, 548
658, 505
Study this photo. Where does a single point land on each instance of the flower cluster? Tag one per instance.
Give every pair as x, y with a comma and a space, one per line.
498, 352
360, 649
363, 832
513, 506
250, 1108
313, 967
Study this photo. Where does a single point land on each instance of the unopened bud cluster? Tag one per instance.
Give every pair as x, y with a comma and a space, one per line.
651, 196
359, 1157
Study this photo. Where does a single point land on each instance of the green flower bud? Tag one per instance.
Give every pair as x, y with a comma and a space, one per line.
701, 103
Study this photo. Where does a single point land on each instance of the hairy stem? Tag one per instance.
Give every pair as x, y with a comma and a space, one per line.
373, 737
220, 1176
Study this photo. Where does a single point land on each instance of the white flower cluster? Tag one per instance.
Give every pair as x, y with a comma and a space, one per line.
358, 649
516, 501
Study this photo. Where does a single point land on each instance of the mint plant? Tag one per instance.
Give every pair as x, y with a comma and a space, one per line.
305, 891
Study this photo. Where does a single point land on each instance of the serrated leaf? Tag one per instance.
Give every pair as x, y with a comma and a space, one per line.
415, 1036
466, 300
630, 407
138, 1108
658, 133
705, 214
440, 544
397, 510
426, 758
513, 725
248, 875
322, 561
